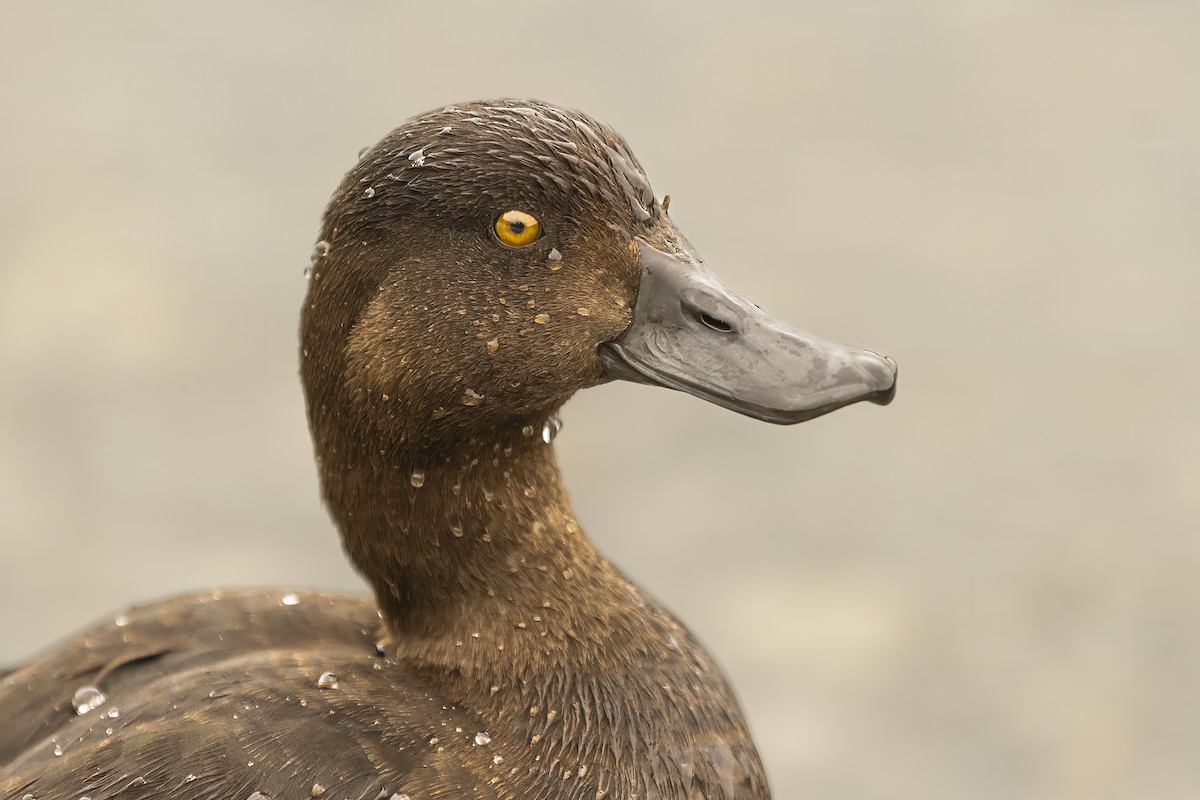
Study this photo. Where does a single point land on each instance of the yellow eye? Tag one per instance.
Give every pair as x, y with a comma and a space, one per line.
517, 229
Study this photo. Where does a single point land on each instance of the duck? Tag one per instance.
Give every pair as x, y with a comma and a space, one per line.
475, 268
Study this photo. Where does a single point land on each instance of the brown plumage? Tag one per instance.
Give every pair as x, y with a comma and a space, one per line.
503, 657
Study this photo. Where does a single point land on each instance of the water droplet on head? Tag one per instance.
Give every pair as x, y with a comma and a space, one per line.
492, 346
541, 319
471, 398
320, 250
121, 621
417, 479
417, 157
289, 599
328, 680
554, 255
551, 428
482, 738
87, 698
369, 192
456, 531
58, 751
317, 791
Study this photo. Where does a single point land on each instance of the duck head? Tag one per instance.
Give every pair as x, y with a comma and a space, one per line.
485, 261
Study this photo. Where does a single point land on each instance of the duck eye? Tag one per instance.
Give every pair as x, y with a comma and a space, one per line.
517, 229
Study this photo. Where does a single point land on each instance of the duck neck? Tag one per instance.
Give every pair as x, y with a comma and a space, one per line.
470, 541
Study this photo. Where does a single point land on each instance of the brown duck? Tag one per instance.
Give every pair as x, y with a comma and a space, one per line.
476, 268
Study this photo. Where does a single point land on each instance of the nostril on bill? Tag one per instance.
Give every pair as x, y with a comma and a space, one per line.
712, 322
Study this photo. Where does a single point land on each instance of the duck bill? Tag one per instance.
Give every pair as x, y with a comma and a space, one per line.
691, 333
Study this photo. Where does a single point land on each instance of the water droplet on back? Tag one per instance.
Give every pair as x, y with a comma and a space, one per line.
417, 157
87, 698
289, 599
417, 479
328, 680
471, 398
482, 738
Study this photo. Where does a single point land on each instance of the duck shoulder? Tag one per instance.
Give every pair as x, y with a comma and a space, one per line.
223, 696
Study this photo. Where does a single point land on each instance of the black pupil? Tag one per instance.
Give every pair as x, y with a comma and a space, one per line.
516, 226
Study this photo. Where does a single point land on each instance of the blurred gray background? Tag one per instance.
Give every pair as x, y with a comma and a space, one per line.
1004, 196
